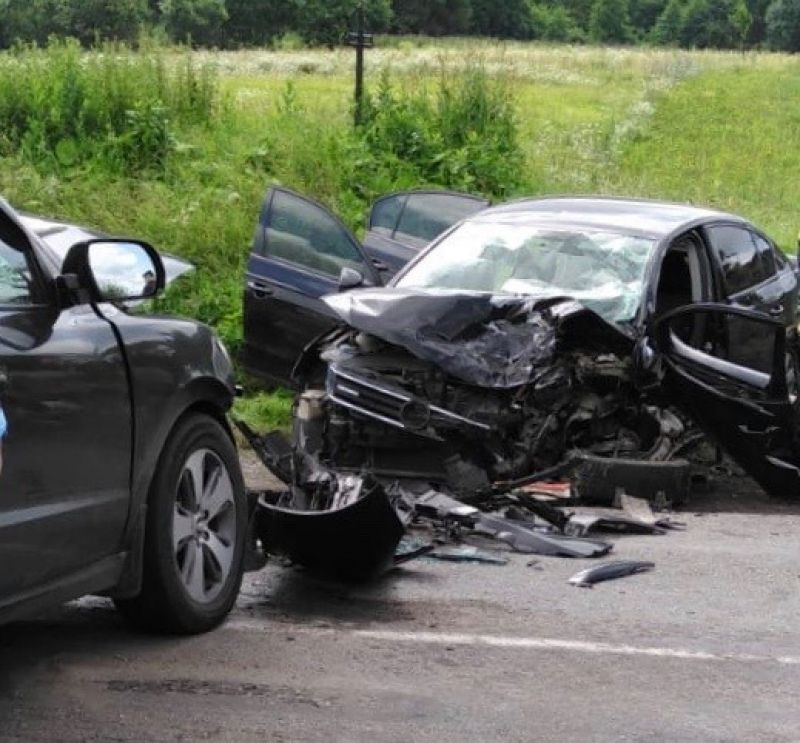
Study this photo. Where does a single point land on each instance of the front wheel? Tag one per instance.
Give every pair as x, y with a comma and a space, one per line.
196, 532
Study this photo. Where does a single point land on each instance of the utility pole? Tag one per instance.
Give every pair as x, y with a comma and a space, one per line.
361, 41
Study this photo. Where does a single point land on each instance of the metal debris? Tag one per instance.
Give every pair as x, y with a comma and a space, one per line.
609, 571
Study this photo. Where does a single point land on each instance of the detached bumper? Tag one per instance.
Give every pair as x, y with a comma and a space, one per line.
355, 542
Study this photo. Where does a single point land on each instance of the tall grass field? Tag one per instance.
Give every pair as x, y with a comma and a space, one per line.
178, 147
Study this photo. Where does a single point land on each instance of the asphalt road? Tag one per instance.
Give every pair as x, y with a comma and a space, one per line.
704, 648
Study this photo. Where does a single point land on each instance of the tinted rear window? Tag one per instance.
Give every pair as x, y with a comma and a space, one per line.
427, 216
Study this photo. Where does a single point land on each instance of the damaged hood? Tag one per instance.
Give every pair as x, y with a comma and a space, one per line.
489, 340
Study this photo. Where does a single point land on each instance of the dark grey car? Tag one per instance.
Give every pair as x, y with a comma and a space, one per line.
120, 475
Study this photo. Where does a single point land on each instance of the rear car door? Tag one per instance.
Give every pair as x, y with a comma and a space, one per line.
401, 224
66, 459
298, 254
748, 404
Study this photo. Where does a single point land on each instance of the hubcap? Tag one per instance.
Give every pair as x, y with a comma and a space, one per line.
204, 525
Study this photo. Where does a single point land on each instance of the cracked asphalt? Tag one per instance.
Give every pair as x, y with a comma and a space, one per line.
703, 648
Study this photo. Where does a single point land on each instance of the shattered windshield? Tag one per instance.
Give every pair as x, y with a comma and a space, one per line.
603, 270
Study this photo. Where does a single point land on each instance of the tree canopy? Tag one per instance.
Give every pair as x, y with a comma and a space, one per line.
730, 24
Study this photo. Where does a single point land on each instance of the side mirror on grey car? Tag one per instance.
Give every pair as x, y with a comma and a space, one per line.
116, 270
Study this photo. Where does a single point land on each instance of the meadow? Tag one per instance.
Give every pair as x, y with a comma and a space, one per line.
178, 147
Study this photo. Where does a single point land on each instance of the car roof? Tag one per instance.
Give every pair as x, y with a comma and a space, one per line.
655, 219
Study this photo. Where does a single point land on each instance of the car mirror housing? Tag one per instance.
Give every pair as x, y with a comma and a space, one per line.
349, 278
116, 270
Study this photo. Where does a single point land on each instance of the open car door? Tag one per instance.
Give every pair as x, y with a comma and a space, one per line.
301, 252
742, 389
401, 224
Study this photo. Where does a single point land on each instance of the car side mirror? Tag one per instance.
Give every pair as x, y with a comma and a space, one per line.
116, 270
349, 278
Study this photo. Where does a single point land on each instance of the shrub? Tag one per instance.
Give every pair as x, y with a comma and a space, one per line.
462, 134
61, 107
554, 23
196, 21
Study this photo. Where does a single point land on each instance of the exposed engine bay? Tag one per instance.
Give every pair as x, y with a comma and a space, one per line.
386, 411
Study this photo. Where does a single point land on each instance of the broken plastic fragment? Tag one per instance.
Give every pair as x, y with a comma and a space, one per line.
530, 542
468, 554
609, 571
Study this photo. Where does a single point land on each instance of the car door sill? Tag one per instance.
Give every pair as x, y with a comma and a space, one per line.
99, 576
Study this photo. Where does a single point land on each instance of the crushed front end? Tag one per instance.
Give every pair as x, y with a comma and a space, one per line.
462, 393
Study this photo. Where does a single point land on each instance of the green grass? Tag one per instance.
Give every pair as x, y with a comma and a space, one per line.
707, 127
265, 412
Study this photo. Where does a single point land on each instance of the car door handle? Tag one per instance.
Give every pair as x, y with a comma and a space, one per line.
259, 289
3, 381
776, 311
379, 265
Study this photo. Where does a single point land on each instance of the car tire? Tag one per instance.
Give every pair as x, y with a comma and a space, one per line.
195, 535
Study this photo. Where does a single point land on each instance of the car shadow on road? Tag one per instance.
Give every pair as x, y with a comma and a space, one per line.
740, 494
294, 594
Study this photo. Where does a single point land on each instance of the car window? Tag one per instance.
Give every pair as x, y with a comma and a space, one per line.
766, 254
301, 232
742, 264
428, 215
386, 213
16, 278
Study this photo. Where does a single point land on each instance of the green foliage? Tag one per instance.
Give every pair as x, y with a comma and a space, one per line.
61, 109
709, 24
257, 22
265, 412
783, 25
510, 19
87, 20
462, 134
644, 14
328, 22
669, 26
610, 21
235, 23
553, 23
432, 17
115, 20
196, 21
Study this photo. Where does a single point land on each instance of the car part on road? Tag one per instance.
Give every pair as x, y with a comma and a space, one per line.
355, 537
596, 479
640, 510
609, 571
467, 553
530, 542
581, 524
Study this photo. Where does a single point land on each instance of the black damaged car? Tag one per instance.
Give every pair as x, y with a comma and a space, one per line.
119, 471
585, 335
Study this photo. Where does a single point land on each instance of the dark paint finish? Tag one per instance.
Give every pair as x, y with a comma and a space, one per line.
91, 394
67, 457
283, 308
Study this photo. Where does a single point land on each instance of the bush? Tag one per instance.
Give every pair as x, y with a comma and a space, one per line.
554, 23
462, 135
610, 21
195, 21
61, 108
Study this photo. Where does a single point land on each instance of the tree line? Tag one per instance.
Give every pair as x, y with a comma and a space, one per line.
725, 24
